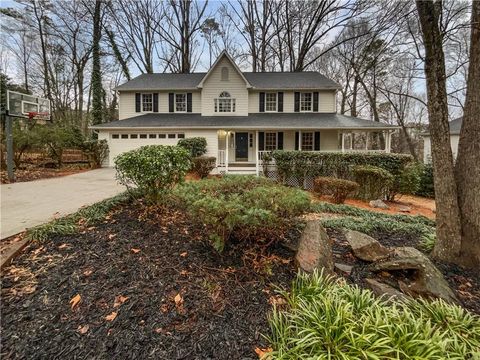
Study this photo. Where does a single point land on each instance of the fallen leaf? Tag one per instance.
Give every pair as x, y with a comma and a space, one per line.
111, 317
184, 272
88, 272
164, 308
83, 329
135, 251
63, 246
119, 300
184, 254
277, 300
262, 352
178, 300
75, 300
111, 236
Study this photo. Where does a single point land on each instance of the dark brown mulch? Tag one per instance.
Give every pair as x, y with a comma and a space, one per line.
171, 296
465, 283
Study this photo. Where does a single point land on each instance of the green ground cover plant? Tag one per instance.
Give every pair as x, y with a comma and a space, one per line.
246, 207
326, 318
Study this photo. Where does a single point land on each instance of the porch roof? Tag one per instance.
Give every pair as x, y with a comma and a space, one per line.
254, 121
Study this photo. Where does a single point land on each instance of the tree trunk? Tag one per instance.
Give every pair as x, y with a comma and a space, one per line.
468, 160
447, 247
97, 90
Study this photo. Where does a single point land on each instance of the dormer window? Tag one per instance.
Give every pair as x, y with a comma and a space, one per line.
224, 103
224, 74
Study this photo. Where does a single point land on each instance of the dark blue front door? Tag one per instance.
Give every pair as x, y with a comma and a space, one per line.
241, 143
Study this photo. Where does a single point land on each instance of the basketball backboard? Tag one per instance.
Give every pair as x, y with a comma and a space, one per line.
27, 106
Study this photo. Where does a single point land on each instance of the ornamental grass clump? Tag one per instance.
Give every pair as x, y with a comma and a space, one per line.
244, 207
153, 170
338, 188
326, 318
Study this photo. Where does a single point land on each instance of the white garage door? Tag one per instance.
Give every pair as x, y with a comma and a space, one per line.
120, 142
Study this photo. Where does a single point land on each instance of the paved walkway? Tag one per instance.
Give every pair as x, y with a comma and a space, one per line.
27, 204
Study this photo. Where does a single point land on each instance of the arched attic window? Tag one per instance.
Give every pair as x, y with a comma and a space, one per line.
224, 74
224, 103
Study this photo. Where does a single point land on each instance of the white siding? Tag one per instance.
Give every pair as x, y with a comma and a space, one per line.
326, 101
118, 146
126, 108
329, 140
427, 147
214, 85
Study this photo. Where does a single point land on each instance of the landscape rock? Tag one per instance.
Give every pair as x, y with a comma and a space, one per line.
344, 268
314, 248
378, 204
403, 208
381, 289
427, 281
365, 247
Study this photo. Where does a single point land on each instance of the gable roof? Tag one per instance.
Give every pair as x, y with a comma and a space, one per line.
224, 54
260, 121
455, 126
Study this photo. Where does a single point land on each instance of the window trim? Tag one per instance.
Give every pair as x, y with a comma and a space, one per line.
311, 102
276, 101
265, 140
175, 103
141, 103
232, 106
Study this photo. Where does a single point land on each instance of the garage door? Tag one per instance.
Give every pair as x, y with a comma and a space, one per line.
120, 142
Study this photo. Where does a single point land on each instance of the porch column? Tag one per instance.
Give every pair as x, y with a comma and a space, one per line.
388, 142
226, 151
366, 140
257, 154
299, 140
343, 141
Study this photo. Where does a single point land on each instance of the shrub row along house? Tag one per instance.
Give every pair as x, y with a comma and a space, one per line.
243, 115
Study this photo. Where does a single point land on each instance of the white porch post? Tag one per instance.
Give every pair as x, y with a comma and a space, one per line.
257, 160
388, 142
366, 140
343, 142
300, 140
227, 136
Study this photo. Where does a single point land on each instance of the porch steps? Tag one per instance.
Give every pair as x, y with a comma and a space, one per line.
241, 170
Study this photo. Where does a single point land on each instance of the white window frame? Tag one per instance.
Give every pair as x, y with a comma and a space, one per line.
303, 101
275, 147
267, 101
312, 133
147, 111
175, 107
225, 99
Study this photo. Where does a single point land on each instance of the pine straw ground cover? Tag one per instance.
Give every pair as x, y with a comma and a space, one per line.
140, 284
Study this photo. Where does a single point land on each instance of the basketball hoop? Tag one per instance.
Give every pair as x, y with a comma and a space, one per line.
34, 115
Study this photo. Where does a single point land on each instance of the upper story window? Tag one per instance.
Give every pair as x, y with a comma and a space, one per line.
270, 102
224, 74
306, 102
147, 102
224, 103
180, 102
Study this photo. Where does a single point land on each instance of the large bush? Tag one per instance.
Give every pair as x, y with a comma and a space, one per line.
196, 146
409, 180
246, 207
203, 165
426, 187
304, 164
56, 138
338, 188
375, 182
325, 318
154, 169
96, 151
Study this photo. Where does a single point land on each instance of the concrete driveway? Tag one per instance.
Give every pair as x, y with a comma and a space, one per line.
27, 204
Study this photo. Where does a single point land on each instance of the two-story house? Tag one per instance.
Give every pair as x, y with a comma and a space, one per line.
242, 115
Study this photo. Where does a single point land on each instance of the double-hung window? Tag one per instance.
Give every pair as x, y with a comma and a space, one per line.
270, 141
271, 102
147, 102
307, 141
180, 102
306, 102
224, 103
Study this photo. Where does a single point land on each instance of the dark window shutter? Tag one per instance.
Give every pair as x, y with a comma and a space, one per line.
138, 99
297, 102
155, 102
261, 141
262, 102
315, 101
296, 139
317, 141
171, 102
280, 102
189, 102
280, 141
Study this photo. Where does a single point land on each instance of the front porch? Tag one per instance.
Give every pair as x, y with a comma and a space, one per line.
244, 151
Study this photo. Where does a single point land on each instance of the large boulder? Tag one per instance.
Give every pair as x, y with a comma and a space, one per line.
384, 290
365, 247
380, 204
426, 281
314, 249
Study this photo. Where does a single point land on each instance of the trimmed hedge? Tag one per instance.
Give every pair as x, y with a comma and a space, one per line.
339, 188
375, 182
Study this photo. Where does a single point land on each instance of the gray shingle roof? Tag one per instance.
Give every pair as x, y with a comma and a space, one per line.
455, 125
308, 80
253, 121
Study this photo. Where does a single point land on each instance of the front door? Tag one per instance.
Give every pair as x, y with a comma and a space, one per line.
241, 149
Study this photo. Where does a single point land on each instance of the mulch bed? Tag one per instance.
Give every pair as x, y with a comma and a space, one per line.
149, 287
465, 283
38, 173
